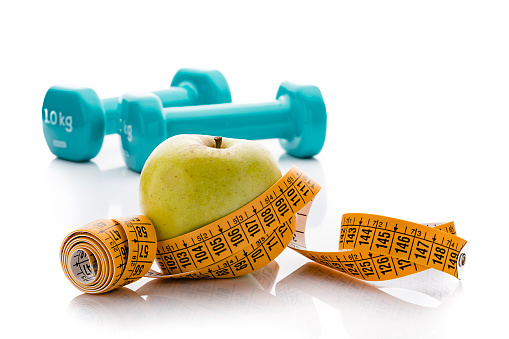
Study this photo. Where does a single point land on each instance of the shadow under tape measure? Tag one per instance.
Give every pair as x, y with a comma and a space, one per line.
177, 304
367, 310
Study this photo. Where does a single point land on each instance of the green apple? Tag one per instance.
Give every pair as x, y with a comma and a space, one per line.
191, 180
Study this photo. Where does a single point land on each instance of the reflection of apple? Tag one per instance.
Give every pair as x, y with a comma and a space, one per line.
191, 180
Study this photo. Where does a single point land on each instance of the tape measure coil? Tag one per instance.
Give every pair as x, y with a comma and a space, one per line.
110, 253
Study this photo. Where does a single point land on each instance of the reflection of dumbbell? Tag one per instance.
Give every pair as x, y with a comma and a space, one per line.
85, 191
75, 120
297, 118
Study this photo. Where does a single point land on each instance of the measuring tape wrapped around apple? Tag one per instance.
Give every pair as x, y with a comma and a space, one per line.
109, 253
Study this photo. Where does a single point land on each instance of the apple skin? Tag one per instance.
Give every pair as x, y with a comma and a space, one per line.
187, 183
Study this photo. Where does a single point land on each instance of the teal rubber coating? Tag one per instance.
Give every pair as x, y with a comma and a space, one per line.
297, 117
75, 120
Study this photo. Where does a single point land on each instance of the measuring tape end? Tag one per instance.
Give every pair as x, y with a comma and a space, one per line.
462, 259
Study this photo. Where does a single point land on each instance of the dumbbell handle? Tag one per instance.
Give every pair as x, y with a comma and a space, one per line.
173, 96
111, 114
247, 121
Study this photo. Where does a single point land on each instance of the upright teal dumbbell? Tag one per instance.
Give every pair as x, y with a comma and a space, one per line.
75, 120
297, 117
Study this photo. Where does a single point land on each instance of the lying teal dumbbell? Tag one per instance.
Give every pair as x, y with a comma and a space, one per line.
297, 117
75, 120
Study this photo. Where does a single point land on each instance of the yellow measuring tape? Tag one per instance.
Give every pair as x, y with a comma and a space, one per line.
110, 253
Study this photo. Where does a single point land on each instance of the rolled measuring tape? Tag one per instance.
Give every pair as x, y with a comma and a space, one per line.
109, 253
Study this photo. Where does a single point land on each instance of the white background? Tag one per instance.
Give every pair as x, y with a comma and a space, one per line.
416, 96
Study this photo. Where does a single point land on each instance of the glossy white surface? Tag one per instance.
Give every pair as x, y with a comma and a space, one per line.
417, 101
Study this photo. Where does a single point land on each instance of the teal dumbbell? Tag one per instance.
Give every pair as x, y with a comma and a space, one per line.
297, 117
75, 120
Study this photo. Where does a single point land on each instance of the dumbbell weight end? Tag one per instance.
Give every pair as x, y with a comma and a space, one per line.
309, 117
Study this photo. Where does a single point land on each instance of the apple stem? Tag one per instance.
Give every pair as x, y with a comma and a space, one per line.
219, 141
